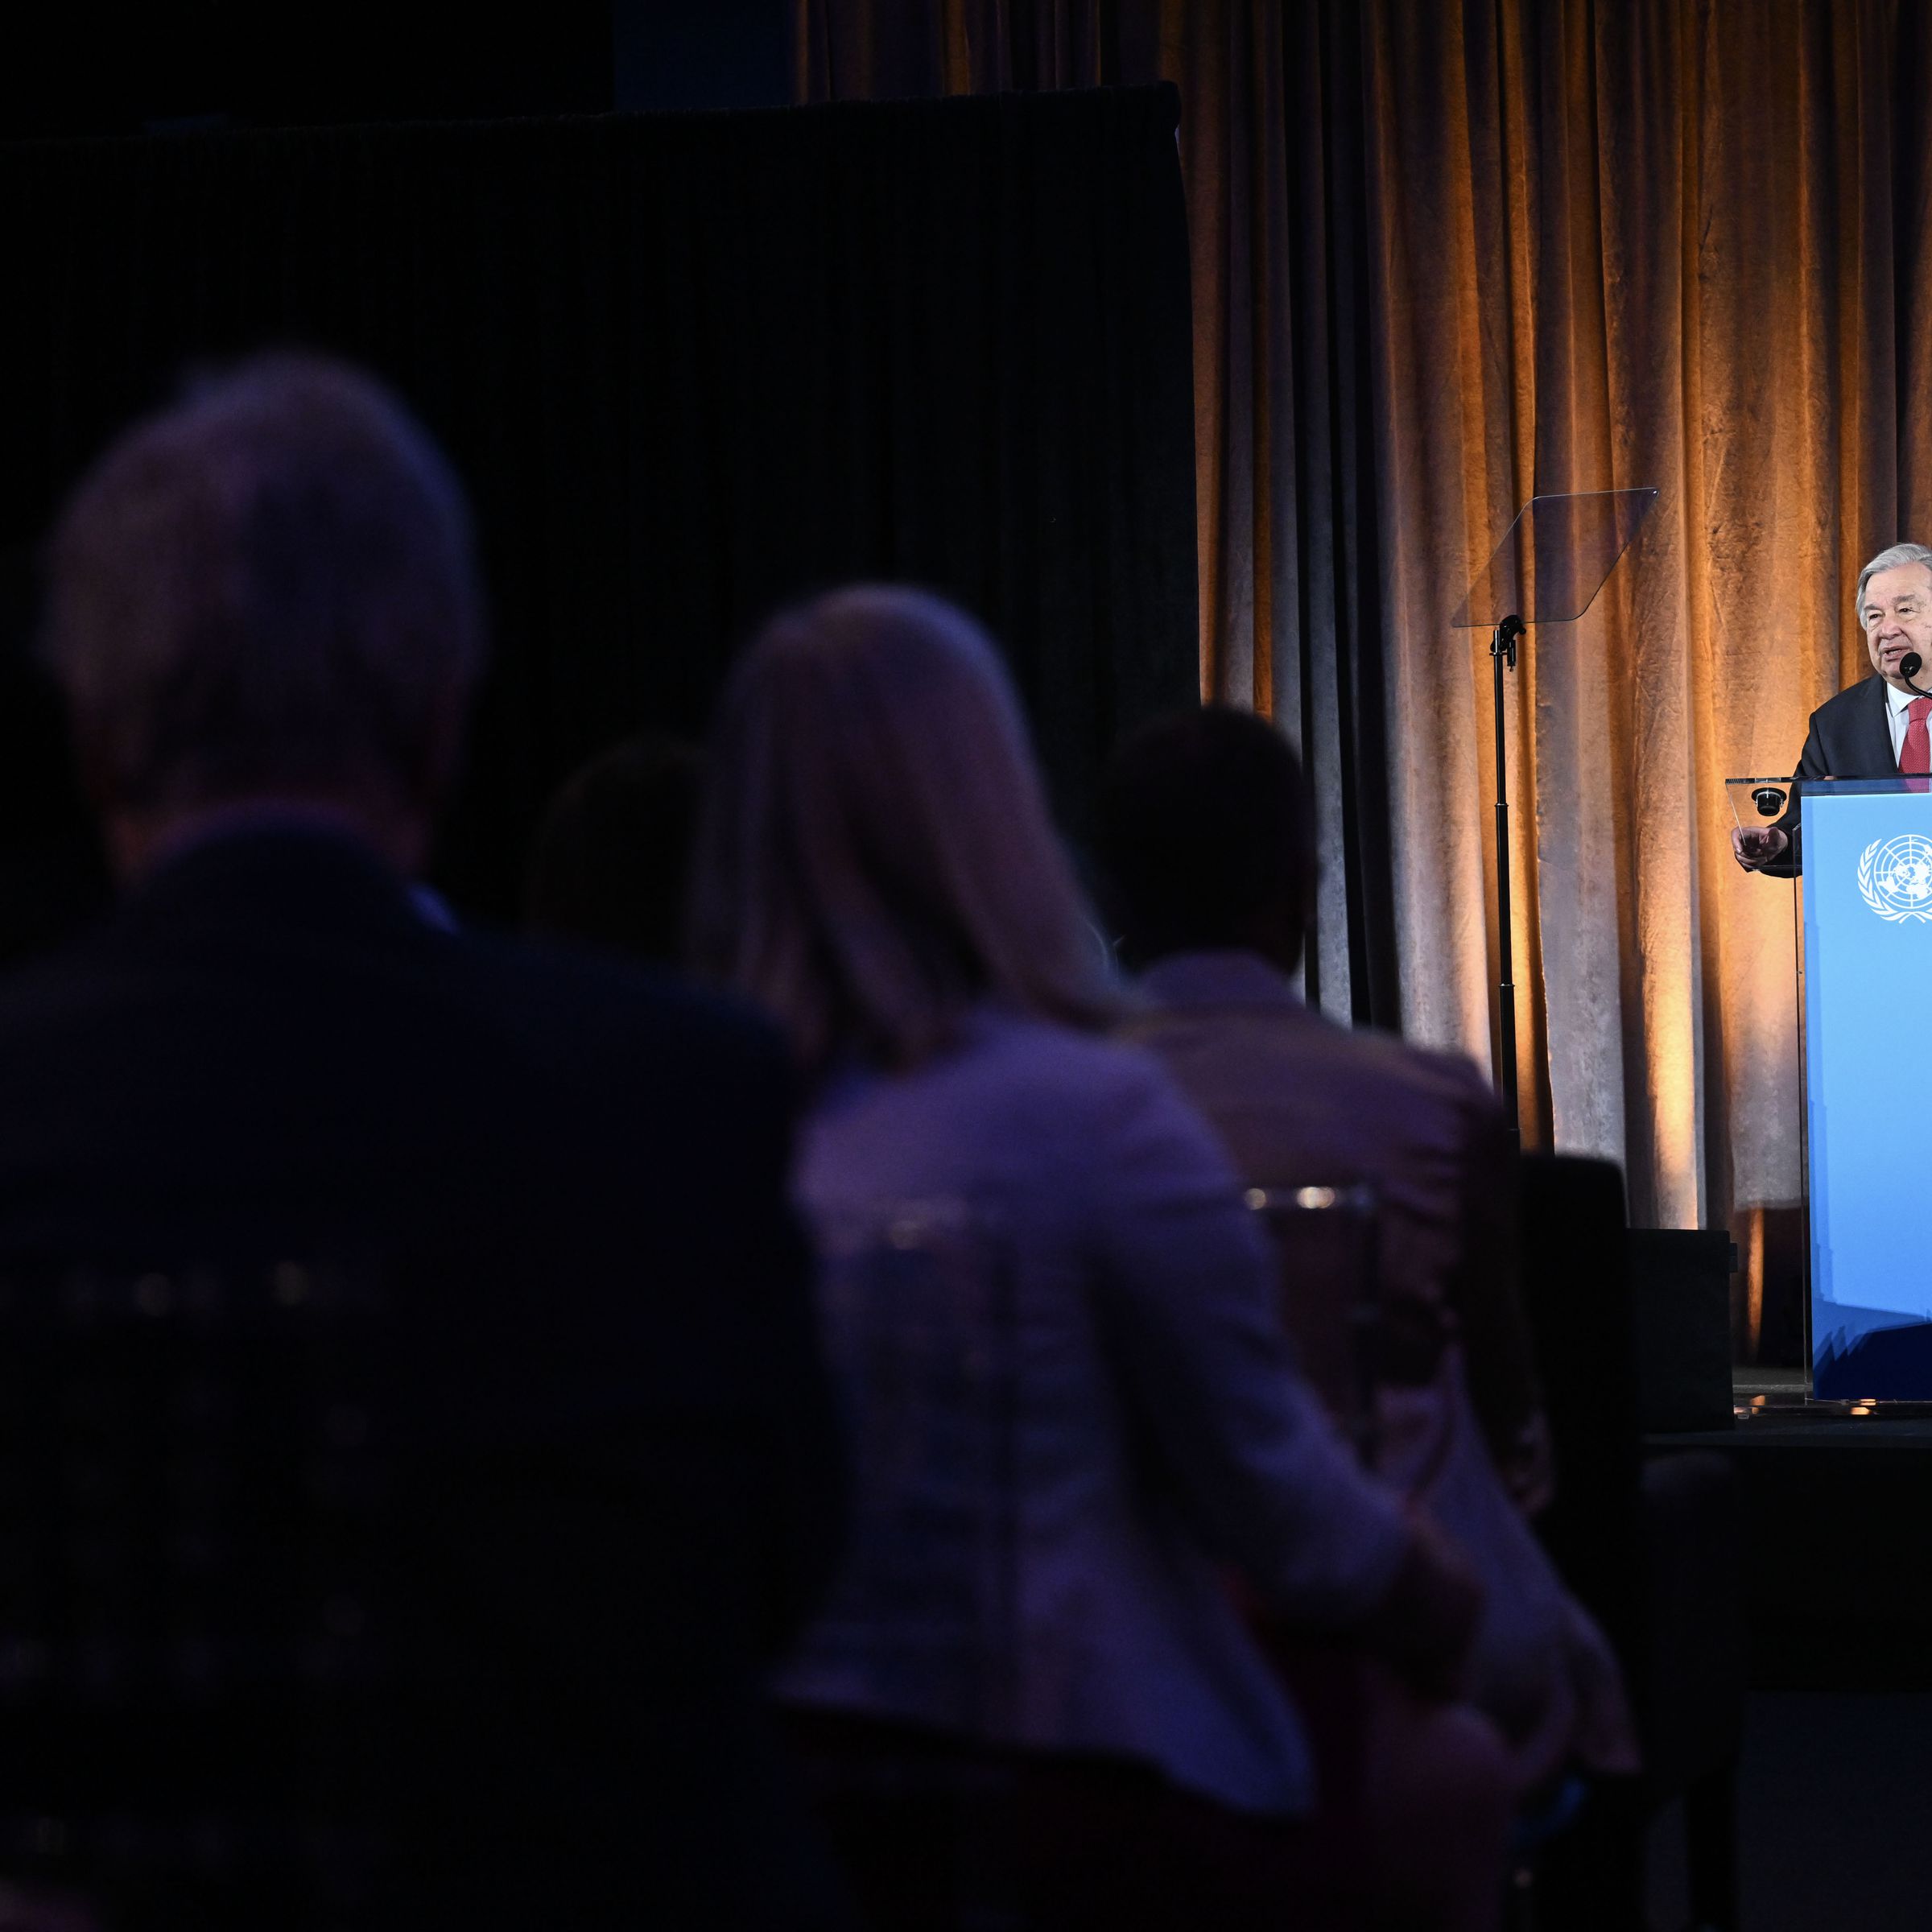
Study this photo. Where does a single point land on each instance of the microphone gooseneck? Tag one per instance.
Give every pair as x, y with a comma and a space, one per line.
1909, 665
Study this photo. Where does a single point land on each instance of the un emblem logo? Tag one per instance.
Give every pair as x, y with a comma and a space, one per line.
1896, 878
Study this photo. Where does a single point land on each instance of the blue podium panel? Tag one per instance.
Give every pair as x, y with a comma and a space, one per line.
1867, 848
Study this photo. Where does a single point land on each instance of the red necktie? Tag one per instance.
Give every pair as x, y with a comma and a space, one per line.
1915, 754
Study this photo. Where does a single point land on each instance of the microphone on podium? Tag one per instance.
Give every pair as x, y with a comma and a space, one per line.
1909, 665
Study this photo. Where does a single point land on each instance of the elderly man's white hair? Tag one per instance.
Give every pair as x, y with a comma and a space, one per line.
1887, 560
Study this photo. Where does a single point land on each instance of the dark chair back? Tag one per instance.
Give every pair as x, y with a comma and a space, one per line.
1326, 1238
917, 1300
1576, 1298
1650, 1546
917, 1306
191, 1634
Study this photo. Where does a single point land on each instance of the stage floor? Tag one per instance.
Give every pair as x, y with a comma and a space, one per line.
1836, 1510
1833, 1793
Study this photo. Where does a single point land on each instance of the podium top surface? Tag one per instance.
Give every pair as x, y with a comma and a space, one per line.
1555, 558
1861, 788
1899, 784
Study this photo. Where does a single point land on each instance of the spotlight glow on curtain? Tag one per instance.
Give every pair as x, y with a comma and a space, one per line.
1447, 255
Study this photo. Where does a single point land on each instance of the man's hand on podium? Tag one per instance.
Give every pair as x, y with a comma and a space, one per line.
1758, 847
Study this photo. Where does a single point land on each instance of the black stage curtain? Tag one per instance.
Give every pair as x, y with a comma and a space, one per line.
1277, 154
690, 366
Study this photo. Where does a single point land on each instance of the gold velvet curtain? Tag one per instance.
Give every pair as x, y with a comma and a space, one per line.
1450, 254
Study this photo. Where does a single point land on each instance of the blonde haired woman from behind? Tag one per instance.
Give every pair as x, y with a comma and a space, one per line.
875, 866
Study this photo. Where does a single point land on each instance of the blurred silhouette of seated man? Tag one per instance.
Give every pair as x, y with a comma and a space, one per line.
612, 1483
1877, 728
1208, 858
609, 861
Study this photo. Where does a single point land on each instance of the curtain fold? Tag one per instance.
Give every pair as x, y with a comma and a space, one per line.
1450, 253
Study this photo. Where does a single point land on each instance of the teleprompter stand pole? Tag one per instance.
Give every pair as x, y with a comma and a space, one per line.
1502, 656
1555, 556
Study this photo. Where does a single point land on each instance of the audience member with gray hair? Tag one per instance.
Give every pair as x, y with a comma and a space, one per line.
1877, 728
268, 593
610, 1487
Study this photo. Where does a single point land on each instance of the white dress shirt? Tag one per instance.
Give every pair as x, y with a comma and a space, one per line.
1897, 704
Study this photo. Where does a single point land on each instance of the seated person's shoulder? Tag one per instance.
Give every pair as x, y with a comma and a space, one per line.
1384, 1070
1373, 1053
1438, 1079
1448, 1071
577, 1010
1041, 1078
1049, 1057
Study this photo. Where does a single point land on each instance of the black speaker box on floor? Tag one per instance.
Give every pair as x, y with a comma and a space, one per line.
1680, 1289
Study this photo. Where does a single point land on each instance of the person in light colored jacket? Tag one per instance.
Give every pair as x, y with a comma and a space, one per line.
875, 866
1206, 846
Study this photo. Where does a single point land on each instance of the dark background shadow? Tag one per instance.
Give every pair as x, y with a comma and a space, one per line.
690, 365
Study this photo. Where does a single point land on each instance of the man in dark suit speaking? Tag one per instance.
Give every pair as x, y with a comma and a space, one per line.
1877, 728
607, 1486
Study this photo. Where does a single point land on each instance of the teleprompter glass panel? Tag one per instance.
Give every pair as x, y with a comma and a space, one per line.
1552, 559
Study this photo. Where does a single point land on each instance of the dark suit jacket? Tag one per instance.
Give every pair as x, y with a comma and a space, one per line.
614, 1450
1849, 738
